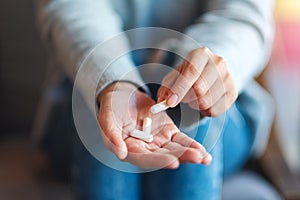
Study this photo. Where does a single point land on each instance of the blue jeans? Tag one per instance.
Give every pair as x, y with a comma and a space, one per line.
94, 180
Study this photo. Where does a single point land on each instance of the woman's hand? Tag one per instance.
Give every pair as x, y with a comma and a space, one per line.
203, 81
122, 109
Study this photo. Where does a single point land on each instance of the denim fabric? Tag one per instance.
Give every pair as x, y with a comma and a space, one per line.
93, 180
227, 138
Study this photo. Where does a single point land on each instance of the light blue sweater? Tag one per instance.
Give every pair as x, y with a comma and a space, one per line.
241, 31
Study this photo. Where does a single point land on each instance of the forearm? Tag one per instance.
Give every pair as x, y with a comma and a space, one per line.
241, 31
73, 28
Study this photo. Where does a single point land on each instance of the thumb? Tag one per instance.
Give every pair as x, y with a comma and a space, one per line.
112, 136
118, 145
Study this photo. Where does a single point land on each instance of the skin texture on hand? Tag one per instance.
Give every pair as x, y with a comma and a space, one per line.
203, 81
123, 108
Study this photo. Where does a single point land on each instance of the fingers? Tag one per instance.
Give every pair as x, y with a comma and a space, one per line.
213, 95
220, 107
167, 82
118, 145
207, 159
222, 95
214, 92
186, 141
168, 149
180, 145
139, 155
168, 156
208, 77
184, 154
111, 133
153, 160
202, 81
189, 72
199, 88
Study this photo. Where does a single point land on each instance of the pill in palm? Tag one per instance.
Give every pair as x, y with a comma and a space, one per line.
141, 135
147, 122
159, 107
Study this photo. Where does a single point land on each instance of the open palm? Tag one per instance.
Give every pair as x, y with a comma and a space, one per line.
123, 109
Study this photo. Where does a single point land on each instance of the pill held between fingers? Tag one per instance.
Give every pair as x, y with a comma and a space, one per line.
159, 107
141, 135
147, 122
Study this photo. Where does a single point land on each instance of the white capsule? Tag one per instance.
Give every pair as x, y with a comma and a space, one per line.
141, 135
159, 107
147, 122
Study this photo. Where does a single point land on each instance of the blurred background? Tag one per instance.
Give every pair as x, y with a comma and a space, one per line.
283, 79
25, 170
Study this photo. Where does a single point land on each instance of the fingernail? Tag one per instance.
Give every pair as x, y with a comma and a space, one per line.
122, 154
172, 101
203, 153
160, 99
207, 159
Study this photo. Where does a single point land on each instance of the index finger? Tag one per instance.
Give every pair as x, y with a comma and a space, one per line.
142, 157
190, 71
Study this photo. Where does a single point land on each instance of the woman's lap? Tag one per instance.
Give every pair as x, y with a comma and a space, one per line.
94, 180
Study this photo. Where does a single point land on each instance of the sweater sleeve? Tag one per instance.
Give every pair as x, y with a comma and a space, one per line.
72, 29
241, 31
